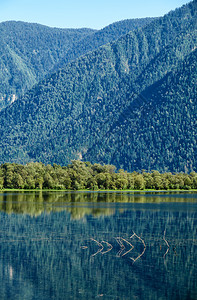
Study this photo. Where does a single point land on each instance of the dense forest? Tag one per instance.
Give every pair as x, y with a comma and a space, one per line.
102, 37
84, 175
156, 131
130, 103
29, 52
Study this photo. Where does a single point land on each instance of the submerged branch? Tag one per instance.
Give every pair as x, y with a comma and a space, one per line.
134, 260
99, 244
166, 243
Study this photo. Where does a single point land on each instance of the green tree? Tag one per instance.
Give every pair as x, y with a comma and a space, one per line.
1, 179
139, 182
17, 181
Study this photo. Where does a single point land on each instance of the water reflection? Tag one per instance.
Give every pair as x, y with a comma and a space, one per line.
143, 250
35, 203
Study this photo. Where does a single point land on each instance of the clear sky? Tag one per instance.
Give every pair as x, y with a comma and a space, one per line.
83, 13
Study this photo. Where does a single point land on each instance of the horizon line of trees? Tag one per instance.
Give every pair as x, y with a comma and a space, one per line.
83, 175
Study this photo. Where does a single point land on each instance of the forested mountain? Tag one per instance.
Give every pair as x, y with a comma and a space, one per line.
102, 37
131, 103
159, 129
29, 52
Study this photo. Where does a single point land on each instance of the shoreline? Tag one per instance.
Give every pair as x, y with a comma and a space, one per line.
98, 191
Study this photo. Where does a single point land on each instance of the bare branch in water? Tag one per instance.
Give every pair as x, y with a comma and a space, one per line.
84, 247
129, 249
118, 239
99, 244
109, 245
165, 239
134, 260
166, 243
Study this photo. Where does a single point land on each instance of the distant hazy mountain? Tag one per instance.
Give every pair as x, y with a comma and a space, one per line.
131, 102
30, 52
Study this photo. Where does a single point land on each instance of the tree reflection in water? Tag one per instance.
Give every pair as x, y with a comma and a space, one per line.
49, 246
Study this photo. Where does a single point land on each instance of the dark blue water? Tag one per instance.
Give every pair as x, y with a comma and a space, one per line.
76, 246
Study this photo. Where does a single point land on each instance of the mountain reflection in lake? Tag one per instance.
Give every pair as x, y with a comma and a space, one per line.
98, 245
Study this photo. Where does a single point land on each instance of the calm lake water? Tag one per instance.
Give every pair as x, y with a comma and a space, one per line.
98, 245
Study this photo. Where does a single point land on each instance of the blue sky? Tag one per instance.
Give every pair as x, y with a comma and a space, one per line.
83, 13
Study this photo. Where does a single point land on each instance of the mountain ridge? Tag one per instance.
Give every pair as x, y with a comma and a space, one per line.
68, 114
29, 51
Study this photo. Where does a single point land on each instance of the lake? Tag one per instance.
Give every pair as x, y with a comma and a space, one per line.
96, 245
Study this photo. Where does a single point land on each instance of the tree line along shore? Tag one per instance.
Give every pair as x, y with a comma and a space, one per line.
83, 175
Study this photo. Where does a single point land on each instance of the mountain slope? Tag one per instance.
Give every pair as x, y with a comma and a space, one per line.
73, 113
159, 130
101, 37
29, 52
